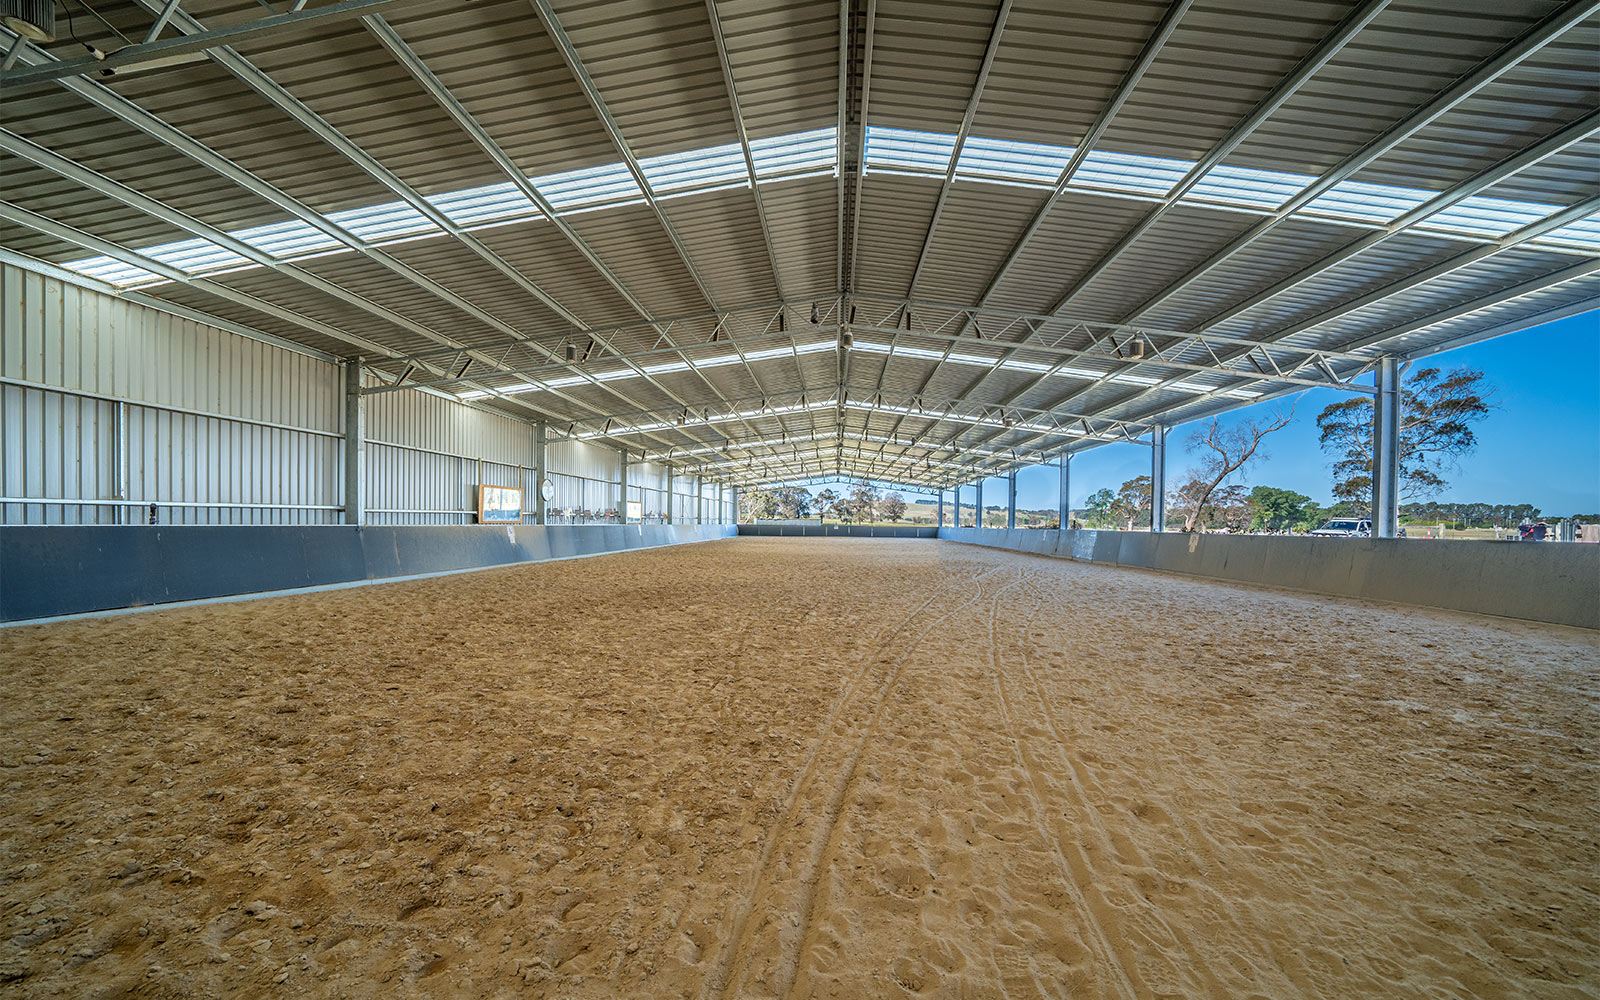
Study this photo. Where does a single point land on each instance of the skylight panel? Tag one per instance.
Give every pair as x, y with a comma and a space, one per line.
696, 168
904, 151
1267, 189
195, 256
918, 352
1489, 217
476, 206
1012, 161
1147, 175
1581, 235
113, 271
802, 152
1379, 203
388, 221
286, 239
608, 183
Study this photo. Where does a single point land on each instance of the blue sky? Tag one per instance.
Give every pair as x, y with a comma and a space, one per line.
1540, 446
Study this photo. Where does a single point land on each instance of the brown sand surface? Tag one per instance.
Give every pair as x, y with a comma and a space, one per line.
789, 767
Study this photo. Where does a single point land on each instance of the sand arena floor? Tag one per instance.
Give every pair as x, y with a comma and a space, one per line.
785, 767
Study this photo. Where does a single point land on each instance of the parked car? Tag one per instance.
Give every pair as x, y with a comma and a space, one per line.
1345, 527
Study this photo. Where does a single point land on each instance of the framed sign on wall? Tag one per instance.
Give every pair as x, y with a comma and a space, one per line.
499, 504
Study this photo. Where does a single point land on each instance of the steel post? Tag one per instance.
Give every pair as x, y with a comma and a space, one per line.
1064, 518
540, 436
1011, 500
355, 445
1158, 478
978, 500
1386, 450
622, 487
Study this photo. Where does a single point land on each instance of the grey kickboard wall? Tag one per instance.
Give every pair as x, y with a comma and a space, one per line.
1556, 582
50, 570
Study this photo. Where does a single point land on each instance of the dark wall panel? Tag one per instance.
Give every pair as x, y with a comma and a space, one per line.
49, 570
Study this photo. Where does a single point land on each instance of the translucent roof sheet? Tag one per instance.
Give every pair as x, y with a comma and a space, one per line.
1148, 175
797, 153
606, 186
1263, 189
895, 150
1017, 162
1375, 203
1583, 235
899, 151
695, 169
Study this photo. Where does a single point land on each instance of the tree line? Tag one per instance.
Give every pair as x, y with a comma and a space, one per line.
1438, 408
861, 503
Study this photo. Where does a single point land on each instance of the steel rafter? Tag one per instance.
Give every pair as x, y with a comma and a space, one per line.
430, 83
1308, 67
1491, 69
962, 132
744, 139
580, 73
1575, 272
1102, 121
152, 52
818, 464
1049, 422
1510, 241
265, 87
861, 143
70, 170
364, 347
1286, 88
1507, 58
1227, 359
161, 131
1562, 139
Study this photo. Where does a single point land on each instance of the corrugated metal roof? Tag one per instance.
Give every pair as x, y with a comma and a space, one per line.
1421, 99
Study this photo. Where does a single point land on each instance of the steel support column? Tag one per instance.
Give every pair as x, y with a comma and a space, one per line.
940, 522
1386, 450
733, 494
540, 438
672, 498
978, 499
119, 449
1064, 518
622, 487
355, 445
1158, 478
1011, 499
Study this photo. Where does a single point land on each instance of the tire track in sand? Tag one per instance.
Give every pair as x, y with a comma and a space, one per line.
1078, 786
1079, 873
722, 978
823, 849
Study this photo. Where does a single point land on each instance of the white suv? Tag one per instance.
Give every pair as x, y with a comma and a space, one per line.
1345, 527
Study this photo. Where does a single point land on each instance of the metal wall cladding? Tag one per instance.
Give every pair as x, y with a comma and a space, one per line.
579, 458
427, 455
217, 428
